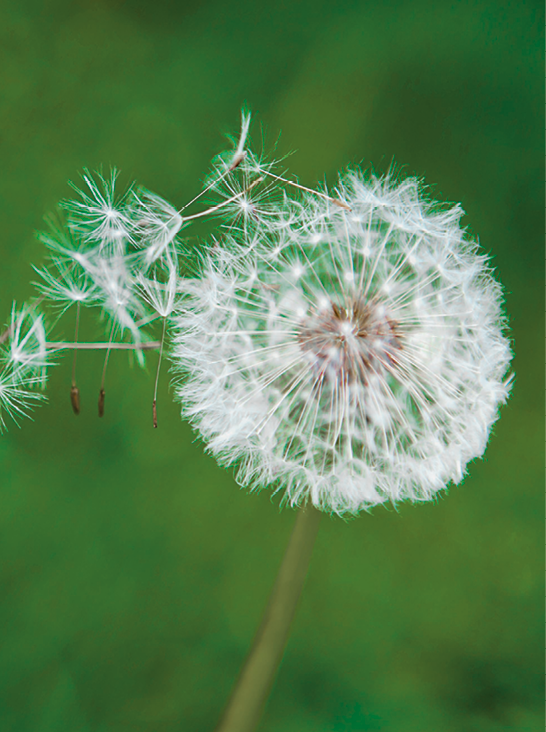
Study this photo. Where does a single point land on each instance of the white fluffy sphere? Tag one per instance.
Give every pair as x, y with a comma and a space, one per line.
348, 354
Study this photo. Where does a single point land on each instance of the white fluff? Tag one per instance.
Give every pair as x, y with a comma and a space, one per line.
350, 354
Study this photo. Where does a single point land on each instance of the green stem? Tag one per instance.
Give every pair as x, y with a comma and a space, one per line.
251, 691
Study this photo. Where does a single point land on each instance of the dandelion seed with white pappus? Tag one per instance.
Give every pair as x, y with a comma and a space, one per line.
99, 216
160, 293
64, 286
157, 224
348, 354
25, 359
27, 343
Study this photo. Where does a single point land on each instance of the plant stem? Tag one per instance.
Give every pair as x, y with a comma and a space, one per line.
146, 346
75, 341
337, 202
253, 686
154, 403
224, 203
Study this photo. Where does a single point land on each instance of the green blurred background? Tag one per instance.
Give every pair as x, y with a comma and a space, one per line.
133, 569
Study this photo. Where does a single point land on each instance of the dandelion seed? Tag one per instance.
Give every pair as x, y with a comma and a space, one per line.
64, 286
27, 342
102, 393
349, 369
25, 361
116, 292
75, 399
102, 396
74, 391
99, 216
161, 296
159, 290
157, 224
240, 152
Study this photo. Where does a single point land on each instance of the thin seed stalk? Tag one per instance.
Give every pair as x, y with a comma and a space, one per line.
76, 329
74, 391
62, 346
154, 403
102, 393
249, 696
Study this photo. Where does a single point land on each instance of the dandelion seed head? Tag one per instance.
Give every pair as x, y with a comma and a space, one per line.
364, 368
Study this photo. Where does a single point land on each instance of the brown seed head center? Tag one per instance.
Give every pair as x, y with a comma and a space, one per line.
347, 343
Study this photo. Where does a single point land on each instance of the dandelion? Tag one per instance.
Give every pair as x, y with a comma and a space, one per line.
349, 353
346, 350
